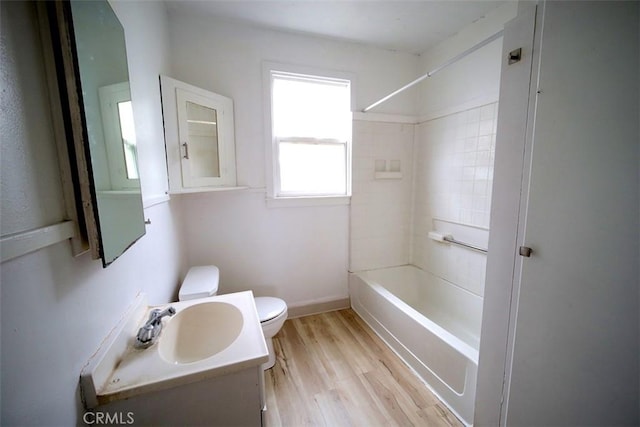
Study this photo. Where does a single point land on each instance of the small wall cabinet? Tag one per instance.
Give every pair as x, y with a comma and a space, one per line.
199, 138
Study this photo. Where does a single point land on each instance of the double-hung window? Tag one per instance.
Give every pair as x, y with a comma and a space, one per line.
310, 135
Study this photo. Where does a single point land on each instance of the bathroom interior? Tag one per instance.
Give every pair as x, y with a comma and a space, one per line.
423, 165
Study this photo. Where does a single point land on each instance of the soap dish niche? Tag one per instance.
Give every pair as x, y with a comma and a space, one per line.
388, 169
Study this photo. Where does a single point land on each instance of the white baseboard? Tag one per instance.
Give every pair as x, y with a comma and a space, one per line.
307, 309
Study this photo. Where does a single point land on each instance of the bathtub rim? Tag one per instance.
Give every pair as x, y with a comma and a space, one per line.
416, 267
455, 342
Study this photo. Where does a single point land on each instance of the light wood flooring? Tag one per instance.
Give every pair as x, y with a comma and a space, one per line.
333, 370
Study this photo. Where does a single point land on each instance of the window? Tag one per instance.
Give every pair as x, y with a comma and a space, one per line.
310, 135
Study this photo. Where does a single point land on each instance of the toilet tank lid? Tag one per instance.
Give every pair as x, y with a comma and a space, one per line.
269, 307
201, 282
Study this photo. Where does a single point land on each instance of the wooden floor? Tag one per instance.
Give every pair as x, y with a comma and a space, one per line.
332, 370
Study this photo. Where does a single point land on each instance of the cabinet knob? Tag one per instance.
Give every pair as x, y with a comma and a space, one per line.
186, 150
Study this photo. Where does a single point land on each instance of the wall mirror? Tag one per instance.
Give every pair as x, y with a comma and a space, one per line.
93, 79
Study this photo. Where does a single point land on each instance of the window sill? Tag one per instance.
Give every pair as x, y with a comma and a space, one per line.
301, 201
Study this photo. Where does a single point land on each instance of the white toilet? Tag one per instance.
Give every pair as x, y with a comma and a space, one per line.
202, 282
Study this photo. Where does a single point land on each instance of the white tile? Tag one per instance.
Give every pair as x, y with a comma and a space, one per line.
486, 127
469, 158
472, 130
468, 173
484, 143
481, 173
487, 112
453, 169
473, 115
483, 158
479, 203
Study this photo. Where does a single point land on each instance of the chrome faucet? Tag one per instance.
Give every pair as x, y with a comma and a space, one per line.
149, 333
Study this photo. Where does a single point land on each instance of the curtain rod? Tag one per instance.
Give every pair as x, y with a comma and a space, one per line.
437, 69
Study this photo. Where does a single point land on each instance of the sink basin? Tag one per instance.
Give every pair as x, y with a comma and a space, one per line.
199, 332
206, 340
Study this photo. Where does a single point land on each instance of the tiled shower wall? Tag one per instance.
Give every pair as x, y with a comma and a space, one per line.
453, 182
450, 193
454, 171
381, 202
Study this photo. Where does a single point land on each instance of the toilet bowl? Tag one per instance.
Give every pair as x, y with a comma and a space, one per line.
272, 313
202, 282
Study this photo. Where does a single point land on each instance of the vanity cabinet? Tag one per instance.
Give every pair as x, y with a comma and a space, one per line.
226, 400
199, 138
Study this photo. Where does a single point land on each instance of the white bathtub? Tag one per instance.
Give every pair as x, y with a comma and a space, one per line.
432, 324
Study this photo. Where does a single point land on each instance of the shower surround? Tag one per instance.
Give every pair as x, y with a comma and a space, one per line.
410, 179
443, 183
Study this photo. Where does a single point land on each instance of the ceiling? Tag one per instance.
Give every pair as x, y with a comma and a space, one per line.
407, 26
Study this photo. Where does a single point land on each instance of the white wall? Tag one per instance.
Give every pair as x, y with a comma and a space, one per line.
55, 309
227, 58
299, 254
147, 40
472, 81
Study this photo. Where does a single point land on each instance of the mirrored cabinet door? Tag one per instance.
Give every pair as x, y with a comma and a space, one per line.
198, 131
199, 137
88, 69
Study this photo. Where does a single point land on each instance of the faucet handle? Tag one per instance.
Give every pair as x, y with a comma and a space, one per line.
145, 334
150, 331
157, 314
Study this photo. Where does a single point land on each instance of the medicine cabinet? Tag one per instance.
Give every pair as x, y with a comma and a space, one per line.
87, 67
199, 138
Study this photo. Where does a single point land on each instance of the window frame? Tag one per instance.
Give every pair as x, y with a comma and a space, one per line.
275, 197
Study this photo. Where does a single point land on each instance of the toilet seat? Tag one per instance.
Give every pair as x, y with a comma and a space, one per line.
269, 308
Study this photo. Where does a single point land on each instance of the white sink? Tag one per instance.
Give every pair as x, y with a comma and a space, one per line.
206, 338
200, 331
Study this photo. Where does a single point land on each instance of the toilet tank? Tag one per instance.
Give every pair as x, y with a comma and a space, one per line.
200, 282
